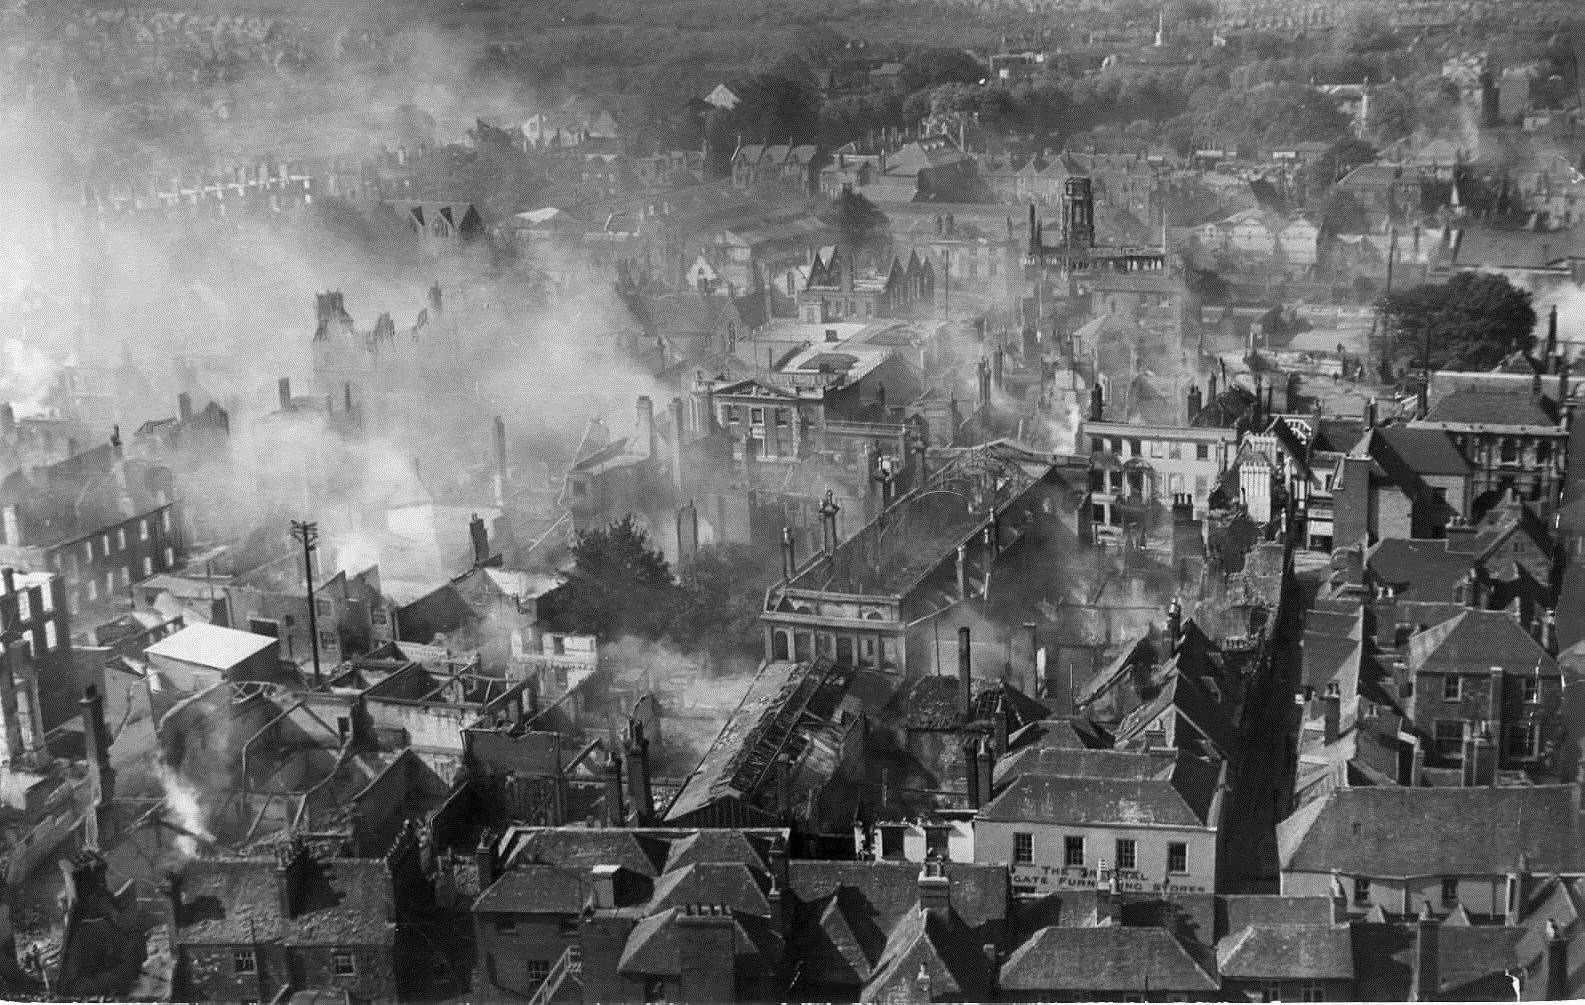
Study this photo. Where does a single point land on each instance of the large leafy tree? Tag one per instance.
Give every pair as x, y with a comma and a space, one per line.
618, 584
1469, 322
720, 605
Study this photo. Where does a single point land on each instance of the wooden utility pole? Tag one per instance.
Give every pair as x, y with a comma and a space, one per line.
308, 534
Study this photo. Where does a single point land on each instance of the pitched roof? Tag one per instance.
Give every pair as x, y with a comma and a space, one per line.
1475, 641
1382, 831
1516, 407
655, 945
1102, 801
1107, 960
211, 646
884, 891
1287, 952
534, 888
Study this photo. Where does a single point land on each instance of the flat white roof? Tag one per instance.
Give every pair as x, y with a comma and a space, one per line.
210, 646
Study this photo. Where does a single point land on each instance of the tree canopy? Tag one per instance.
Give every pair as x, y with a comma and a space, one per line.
859, 222
618, 585
1469, 322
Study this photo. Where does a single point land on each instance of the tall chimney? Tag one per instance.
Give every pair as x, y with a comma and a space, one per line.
935, 890
828, 523
96, 740
1480, 758
965, 675
971, 771
1174, 626
8, 708
1332, 713
615, 815
1551, 339
480, 536
986, 765
184, 406
346, 395
291, 862
638, 787
1426, 979
646, 424
283, 388
676, 445
1097, 403
484, 859
500, 461
1557, 986
789, 564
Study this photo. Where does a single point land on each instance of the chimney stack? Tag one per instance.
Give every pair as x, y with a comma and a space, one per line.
1557, 984
676, 445
480, 536
346, 395
8, 706
96, 738
1105, 896
1426, 980
1551, 340
283, 388
615, 814
1174, 626
1332, 713
1549, 632
828, 522
1480, 758
935, 890
971, 772
985, 764
1196, 403
603, 879
965, 675
638, 775
292, 859
484, 859
789, 564
499, 432
184, 406
1097, 403
646, 424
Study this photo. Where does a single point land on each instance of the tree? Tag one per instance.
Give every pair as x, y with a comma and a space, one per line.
618, 584
860, 223
931, 66
1469, 322
719, 608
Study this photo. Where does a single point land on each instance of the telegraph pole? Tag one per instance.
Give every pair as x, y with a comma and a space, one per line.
308, 533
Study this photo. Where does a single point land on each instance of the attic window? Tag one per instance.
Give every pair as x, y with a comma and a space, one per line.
342, 964
243, 961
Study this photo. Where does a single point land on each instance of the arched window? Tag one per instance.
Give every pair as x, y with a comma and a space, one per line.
781, 646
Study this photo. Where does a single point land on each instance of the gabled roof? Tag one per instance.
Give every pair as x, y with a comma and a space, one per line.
654, 946
534, 888
1165, 800
1108, 960
1474, 641
1382, 831
936, 943
1518, 407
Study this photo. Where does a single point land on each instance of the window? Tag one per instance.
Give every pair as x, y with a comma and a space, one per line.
24, 604
1073, 851
51, 635
1452, 688
104, 544
1361, 890
1202, 451
756, 416
1521, 741
506, 924
327, 639
148, 566
1449, 892
1312, 991
88, 551
165, 520
243, 961
1449, 738
782, 418
1126, 854
342, 965
143, 529
170, 557
1177, 856
324, 608
1174, 451
567, 928
729, 413
121, 539
1530, 689
93, 589
1023, 848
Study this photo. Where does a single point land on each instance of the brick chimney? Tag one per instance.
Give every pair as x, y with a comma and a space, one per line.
603, 878
985, 766
1426, 978
1174, 626
828, 523
1332, 713
646, 424
184, 406
708, 953
1480, 758
965, 675
677, 428
96, 740
500, 461
615, 814
8, 705
789, 564
638, 787
283, 390
293, 859
935, 890
971, 771
1557, 986
480, 536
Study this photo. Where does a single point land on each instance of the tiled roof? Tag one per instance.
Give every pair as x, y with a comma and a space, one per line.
1419, 568
734, 884
936, 943
655, 946
532, 888
885, 891
1383, 831
1108, 960
1474, 641
585, 848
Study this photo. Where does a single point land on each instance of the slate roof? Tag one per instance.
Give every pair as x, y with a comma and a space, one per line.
937, 942
346, 902
1168, 802
1420, 568
1474, 641
1471, 962
1493, 408
1382, 831
734, 884
585, 848
1287, 952
1107, 960
654, 946
533, 888
884, 891
1420, 451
